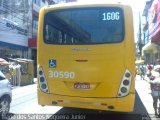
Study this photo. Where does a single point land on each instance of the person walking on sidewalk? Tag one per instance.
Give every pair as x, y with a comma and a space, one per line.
155, 87
148, 70
142, 69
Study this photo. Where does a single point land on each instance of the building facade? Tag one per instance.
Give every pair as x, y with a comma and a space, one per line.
13, 28
151, 31
18, 27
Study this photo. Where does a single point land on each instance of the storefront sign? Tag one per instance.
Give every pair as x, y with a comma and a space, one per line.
13, 34
19, 29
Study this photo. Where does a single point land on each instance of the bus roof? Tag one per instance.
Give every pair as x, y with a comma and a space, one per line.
84, 4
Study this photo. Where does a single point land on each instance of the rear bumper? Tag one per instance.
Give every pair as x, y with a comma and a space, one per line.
124, 104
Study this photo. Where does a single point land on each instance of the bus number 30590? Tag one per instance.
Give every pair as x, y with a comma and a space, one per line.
61, 74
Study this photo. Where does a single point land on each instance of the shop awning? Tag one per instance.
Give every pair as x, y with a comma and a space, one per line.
32, 42
149, 48
155, 33
3, 62
13, 46
139, 61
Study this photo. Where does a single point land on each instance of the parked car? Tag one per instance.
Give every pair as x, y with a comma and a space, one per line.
5, 95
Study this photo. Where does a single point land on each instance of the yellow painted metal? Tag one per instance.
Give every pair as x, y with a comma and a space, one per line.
103, 70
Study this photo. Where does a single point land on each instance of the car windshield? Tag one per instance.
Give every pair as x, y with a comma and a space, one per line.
84, 26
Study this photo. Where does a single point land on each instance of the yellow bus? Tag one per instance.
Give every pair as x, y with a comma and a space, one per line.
85, 56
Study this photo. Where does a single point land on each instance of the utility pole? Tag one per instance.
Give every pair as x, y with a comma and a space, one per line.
140, 44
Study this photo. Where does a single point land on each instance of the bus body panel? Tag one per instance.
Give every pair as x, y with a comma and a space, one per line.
118, 104
98, 70
102, 66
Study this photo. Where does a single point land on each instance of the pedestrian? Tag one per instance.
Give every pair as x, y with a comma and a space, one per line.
158, 61
148, 70
138, 71
142, 69
155, 87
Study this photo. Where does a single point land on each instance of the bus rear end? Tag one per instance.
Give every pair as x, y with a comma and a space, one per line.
86, 57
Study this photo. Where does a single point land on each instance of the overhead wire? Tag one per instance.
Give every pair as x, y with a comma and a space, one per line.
11, 9
7, 10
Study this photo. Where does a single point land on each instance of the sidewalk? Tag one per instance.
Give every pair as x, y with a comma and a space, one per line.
18, 90
144, 92
24, 101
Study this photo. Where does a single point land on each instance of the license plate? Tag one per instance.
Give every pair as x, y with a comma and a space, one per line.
82, 85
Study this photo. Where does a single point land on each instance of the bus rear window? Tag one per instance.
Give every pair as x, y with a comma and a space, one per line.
84, 26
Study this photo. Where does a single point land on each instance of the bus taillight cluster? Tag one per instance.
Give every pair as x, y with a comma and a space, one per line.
125, 84
42, 80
